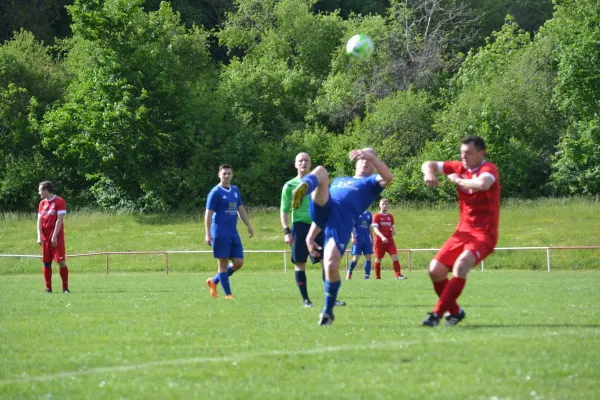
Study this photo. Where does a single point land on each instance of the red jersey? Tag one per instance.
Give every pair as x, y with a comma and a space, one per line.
384, 223
48, 211
479, 211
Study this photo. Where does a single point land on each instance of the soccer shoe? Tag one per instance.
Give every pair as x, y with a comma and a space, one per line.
348, 276
367, 277
212, 287
432, 320
325, 319
298, 194
401, 277
66, 291
307, 303
454, 319
340, 303
229, 297
48, 291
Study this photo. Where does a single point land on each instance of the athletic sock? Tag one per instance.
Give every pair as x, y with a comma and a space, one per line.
367, 269
397, 269
224, 279
301, 282
352, 266
440, 286
64, 275
47, 276
377, 270
448, 298
230, 272
312, 181
331, 291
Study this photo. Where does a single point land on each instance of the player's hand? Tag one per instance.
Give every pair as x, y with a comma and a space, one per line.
384, 240
363, 154
250, 232
431, 179
40, 242
54, 242
288, 239
313, 248
353, 240
208, 239
454, 178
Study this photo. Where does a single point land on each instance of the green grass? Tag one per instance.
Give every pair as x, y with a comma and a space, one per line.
527, 335
552, 222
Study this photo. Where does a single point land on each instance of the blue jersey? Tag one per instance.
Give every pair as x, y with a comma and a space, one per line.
362, 230
224, 203
355, 194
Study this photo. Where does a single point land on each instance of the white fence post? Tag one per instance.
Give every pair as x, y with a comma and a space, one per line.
548, 257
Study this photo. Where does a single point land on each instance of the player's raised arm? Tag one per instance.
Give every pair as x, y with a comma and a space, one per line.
385, 175
481, 183
429, 169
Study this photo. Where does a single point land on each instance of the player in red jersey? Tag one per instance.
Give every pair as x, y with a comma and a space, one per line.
51, 234
384, 228
478, 187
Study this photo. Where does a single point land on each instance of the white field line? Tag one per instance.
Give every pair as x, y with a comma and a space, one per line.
247, 356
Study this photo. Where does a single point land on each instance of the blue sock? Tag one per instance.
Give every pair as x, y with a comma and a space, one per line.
312, 182
352, 266
323, 273
331, 291
230, 272
224, 278
367, 269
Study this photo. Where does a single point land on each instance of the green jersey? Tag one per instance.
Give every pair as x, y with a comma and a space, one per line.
300, 214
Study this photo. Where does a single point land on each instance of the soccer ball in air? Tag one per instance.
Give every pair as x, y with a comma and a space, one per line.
360, 47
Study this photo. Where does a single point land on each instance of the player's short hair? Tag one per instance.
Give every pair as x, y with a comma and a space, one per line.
384, 199
225, 166
477, 141
47, 185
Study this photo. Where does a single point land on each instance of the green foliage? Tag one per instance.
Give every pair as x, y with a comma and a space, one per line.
575, 34
139, 104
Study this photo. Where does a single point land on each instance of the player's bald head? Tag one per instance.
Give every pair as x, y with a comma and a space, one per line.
302, 156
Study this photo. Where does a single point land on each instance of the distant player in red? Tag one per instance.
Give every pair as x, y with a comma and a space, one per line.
478, 187
384, 229
51, 234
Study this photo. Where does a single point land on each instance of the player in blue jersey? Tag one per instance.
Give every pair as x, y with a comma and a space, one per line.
335, 209
362, 243
223, 205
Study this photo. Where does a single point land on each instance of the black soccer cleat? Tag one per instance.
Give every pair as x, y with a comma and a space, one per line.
307, 303
48, 291
432, 320
340, 303
325, 319
454, 319
66, 291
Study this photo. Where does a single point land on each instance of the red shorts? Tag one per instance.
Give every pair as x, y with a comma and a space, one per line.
57, 253
381, 248
480, 245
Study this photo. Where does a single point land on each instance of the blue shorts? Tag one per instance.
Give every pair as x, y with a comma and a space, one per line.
362, 247
299, 250
336, 223
228, 247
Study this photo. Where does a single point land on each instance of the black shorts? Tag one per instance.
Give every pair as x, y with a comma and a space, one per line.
299, 250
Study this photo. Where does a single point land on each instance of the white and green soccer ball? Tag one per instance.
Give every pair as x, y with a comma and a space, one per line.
360, 47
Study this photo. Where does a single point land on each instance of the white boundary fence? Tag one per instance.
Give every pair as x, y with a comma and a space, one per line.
286, 252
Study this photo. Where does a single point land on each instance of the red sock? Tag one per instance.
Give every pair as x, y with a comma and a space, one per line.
64, 275
440, 286
48, 277
448, 298
377, 270
397, 268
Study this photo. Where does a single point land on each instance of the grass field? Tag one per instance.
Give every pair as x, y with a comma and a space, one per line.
527, 335
553, 222
138, 333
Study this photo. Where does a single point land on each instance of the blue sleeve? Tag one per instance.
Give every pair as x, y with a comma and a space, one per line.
376, 185
370, 219
212, 201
